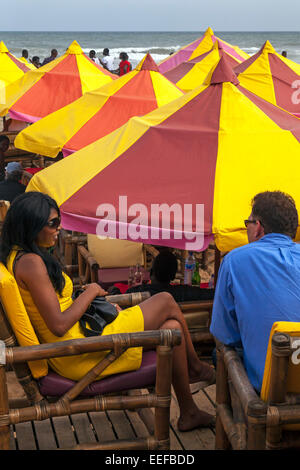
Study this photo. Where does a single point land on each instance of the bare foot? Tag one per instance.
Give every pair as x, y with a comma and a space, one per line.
198, 419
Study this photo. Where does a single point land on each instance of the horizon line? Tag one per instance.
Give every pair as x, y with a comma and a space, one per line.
143, 31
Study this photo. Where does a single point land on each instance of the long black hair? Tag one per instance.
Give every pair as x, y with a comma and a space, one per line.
25, 218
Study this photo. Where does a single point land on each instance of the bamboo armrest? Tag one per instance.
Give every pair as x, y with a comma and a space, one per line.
73, 347
196, 305
251, 402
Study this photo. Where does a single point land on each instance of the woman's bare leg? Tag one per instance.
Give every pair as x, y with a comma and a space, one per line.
159, 312
162, 307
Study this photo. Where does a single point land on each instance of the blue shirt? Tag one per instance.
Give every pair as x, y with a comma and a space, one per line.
258, 284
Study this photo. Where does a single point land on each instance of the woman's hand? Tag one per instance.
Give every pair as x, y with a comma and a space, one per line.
97, 289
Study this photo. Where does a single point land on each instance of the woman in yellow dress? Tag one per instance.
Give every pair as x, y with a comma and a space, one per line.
30, 228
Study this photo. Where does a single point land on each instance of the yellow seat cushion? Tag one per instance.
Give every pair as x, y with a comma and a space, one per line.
114, 253
293, 377
13, 305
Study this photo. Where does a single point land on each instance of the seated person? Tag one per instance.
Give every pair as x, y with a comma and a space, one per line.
30, 229
11, 187
163, 271
258, 284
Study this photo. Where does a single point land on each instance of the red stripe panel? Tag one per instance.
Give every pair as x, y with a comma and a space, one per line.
283, 77
18, 63
283, 119
171, 163
176, 74
135, 98
55, 89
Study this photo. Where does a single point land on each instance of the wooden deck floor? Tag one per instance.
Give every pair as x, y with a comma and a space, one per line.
67, 432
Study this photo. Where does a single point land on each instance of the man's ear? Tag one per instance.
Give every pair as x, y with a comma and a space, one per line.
260, 231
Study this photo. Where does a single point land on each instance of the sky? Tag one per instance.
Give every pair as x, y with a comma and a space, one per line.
151, 15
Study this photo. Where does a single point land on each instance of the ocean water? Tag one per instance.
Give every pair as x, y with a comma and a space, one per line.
137, 44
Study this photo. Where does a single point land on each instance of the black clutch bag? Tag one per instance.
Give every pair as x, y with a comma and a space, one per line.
99, 314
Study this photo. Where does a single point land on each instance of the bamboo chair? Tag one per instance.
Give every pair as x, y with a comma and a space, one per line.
66, 252
271, 421
49, 395
111, 270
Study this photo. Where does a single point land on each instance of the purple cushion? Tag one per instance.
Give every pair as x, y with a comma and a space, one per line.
55, 385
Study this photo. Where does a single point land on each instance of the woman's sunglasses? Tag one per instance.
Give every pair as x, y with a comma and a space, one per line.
54, 223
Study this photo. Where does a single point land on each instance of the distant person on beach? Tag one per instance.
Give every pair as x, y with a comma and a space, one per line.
25, 54
36, 61
107, 61
11, 187
163, 272
4, 145
92, 55
52, 57
258, 284
124, 66
284, 53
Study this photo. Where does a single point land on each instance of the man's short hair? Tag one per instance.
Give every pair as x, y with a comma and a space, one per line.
165, 266
276, 211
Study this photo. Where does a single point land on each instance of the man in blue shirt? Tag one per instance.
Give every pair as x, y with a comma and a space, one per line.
259, 283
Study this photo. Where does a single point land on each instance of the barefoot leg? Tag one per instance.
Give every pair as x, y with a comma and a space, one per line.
156, 316
162, 307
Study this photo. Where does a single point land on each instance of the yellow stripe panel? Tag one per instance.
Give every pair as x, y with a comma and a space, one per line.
66, 177
91, 77
254, 155
48, 136
205, 45
257, 78
163, 89
199, 72
9, 71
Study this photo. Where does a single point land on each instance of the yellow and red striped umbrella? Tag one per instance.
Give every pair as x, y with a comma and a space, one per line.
273, 77
199, 47
11, 68
56, 84
192, 73
99, 112
187, 169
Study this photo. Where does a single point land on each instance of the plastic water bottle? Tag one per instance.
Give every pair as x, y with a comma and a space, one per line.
189, 268
211, 283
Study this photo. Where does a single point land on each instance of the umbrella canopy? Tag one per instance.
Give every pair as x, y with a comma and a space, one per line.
272, 76
199, 47
28, 64
11, 68
99, 112
56, 84
210, 150
192, 73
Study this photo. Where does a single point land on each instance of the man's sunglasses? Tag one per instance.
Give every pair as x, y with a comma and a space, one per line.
54, 223
247, 222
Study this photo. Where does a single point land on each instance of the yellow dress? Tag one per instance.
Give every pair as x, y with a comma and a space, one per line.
75, 367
